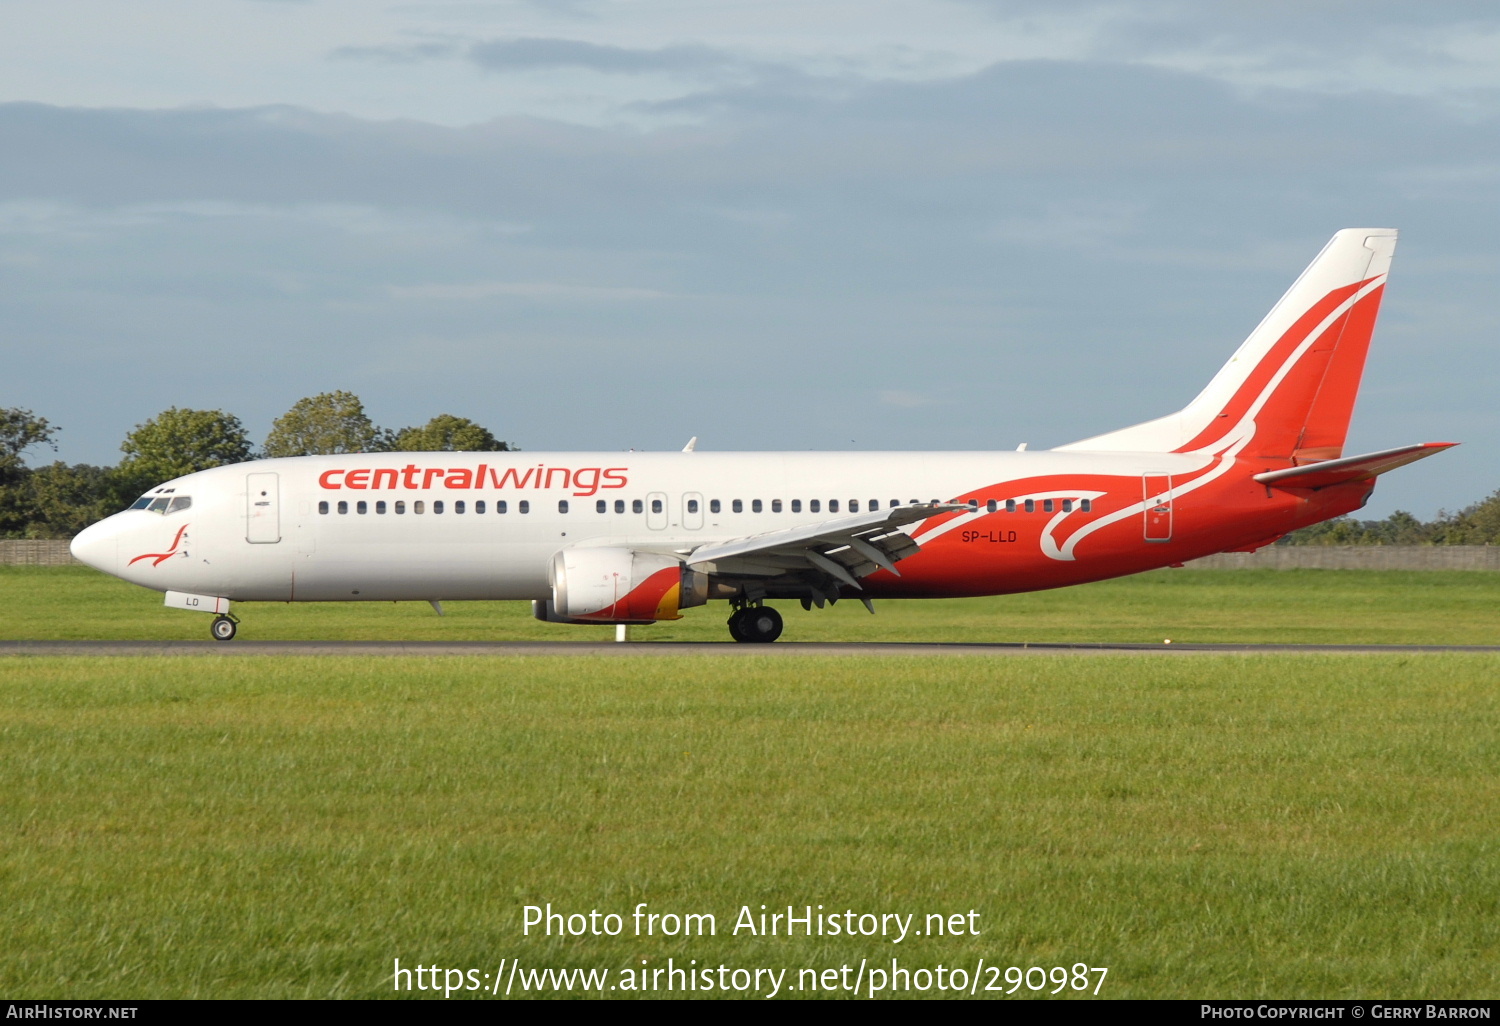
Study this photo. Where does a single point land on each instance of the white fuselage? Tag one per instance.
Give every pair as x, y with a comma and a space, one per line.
393, 526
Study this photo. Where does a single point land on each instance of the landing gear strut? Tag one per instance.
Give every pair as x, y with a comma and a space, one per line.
755, 624
224, 627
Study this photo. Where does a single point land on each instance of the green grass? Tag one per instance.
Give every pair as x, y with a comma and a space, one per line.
1217, 826
1292, 606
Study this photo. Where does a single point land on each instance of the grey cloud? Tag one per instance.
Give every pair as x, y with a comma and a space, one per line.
399, 53
529, 54
1273, 33
538, 54
995, 241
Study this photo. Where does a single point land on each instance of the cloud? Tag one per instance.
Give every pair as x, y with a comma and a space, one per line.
399, 53
528, 54
1340, 44
905, 398
1018, 242
539, 290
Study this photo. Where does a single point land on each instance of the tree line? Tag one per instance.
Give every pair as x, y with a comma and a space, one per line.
58, 500
1478, 524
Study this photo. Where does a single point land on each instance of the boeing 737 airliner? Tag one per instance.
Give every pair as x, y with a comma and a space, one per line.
632, 538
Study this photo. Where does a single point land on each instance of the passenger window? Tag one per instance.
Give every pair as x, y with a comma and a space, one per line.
416, 507
380, 507
600, 506
755, 506
656, 505
738, 505
813, 506
874, 505
479, 506
361, 507
775, 505
562, 505
437, 506
853, 505
343, 507
1031, 505
458, 507
1046, 505
1010, 505
637, 506
973, 503
796, 505
322, 507
1084, 505
692, 505
524, 506
400, 507
991, 506
833, 505
619, 505
713, 505
1067, 505
501, 506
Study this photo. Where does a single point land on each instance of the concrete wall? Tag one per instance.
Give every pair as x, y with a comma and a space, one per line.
1276, 557
35, 553
1357, 557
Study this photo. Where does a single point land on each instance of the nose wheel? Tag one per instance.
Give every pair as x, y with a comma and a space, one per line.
224, 628
755, 624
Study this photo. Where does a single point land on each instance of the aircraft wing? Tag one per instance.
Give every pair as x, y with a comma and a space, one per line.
1350, 468
846, 549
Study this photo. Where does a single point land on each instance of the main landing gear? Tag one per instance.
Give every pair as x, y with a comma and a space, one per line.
224, 627
755, 624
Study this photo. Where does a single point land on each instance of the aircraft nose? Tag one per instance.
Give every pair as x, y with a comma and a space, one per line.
98, 546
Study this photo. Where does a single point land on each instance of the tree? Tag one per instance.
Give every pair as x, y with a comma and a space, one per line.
178, 442
447, 433
63, 500
19, 430
328, 423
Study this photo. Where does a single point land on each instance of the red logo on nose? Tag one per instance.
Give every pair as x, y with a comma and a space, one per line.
157, 557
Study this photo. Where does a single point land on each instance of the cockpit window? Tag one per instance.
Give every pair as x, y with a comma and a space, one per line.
163, 504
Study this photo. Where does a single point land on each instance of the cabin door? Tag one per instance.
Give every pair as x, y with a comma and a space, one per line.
656, 511
1157, 492
262, 509
692, 511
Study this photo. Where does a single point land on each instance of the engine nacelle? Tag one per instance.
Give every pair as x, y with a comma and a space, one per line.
608, 585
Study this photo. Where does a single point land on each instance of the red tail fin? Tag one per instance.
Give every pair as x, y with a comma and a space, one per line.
1288, 392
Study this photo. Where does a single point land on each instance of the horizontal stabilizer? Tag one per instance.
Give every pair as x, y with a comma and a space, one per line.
1350, 468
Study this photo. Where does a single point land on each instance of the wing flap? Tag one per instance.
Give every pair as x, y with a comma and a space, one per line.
1351, 468
844, 549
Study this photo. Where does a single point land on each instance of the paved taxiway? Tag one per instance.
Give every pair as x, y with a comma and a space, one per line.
650, 649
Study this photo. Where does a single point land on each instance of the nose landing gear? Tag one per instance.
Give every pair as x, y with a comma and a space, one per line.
224, 627
756, 624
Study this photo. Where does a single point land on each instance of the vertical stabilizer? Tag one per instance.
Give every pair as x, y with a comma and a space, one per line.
1289, 390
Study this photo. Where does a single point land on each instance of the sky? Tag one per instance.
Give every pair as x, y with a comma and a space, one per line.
613, 224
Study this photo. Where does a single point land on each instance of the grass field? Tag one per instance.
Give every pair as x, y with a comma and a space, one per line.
1203, 826
1227, 826
1293, 606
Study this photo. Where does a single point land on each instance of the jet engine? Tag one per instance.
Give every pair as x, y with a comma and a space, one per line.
612, 585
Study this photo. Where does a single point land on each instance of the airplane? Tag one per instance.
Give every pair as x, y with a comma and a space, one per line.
633, 538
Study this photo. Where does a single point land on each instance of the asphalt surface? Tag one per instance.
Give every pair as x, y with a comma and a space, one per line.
657, 649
